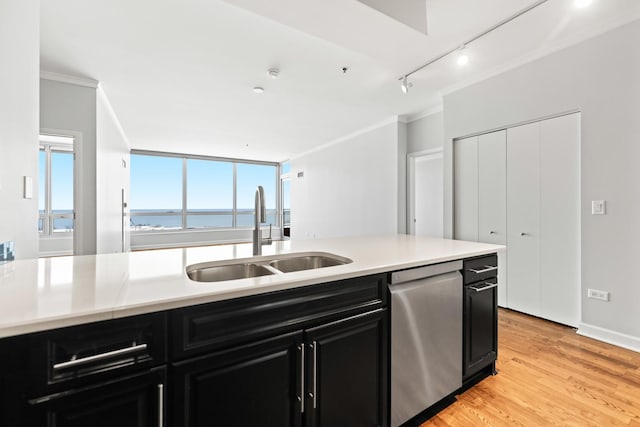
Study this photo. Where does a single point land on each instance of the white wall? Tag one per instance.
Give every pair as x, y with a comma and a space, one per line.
349, 187
70, 107
19, 55
112, 176
601, 78
425, 133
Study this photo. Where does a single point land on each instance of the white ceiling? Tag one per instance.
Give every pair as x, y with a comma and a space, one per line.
179, 73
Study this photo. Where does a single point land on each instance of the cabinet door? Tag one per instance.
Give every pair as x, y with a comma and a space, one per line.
480, 326
465, 190
492, 199
523, 227
135, 401
347, 371
560, 213
257, 384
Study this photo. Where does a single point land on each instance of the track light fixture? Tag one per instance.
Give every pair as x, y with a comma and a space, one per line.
405, 85
463, 58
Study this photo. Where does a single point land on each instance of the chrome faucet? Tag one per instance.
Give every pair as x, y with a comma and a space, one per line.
261, 216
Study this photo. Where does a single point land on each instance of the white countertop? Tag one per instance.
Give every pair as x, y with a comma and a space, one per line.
41, 294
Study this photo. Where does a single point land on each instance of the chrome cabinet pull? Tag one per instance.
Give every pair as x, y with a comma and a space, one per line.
160, 405
314, 393
95, 358
301, 396
484, 287
525, 234
486, 269
493, 232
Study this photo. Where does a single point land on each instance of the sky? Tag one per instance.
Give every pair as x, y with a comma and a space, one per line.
156, 183
61, 180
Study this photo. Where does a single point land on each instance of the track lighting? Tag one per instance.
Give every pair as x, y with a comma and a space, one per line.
463, 58
405, 85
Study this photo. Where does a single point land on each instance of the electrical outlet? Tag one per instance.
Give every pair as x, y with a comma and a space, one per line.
598, 207
596, 294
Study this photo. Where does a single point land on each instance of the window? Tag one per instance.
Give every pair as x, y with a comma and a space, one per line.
55, 185
179, 192
285, 182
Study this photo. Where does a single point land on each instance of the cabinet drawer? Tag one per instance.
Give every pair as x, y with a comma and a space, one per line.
72, 356
480, 268
211, 326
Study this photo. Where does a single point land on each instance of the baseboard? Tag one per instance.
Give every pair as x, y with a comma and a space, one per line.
609, 336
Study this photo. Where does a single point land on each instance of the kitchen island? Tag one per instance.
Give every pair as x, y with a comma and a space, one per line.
295, 345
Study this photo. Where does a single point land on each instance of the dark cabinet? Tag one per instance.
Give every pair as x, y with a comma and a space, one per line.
248, 385
346, 367
134, 401
480, 316
308, 356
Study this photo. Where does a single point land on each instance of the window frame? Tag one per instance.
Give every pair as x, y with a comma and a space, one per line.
185, 213
48, 217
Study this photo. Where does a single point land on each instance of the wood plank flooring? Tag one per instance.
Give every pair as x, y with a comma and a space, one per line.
550, 376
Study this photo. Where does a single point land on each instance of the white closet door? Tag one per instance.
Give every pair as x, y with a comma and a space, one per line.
560, 213
492, 200
465, 190
523, 209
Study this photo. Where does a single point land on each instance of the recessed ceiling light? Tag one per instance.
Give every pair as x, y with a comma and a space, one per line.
258, 89
580, 4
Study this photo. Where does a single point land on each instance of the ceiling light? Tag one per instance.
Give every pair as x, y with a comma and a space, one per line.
405, 85
273, 73
463, 58
258, 89
582, 3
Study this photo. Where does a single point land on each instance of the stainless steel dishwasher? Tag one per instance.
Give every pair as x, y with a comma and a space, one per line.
426, 337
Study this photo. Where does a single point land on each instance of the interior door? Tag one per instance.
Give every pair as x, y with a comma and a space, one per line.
428, 195
465, 191
560, 225
523, 227
492, 200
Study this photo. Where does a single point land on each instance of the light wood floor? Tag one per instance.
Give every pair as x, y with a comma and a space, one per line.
549, 375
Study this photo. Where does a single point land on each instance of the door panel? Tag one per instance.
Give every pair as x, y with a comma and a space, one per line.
428, 196
560, 225
346, 373
492, 199
254, 384
130, 402
523, 228
465, 191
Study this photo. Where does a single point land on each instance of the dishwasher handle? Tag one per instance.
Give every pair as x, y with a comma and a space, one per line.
424, 272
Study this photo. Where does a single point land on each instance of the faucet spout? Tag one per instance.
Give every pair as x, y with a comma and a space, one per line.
260, 216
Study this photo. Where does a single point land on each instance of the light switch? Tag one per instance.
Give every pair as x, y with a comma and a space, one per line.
28, 187
598, 207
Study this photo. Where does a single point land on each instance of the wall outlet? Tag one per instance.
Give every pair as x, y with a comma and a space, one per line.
596, 294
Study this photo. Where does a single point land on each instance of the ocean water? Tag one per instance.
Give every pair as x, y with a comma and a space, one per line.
221, 219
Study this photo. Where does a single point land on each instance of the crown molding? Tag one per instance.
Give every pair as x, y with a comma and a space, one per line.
408, 118
390, 120
65, 78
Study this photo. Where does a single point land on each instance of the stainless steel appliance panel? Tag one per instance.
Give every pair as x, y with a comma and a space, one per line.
426, 341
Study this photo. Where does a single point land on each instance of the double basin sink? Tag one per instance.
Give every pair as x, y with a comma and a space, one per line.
218, 271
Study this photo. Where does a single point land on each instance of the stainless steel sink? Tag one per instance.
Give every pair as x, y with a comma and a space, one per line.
227, 272
305, 263
218, 271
